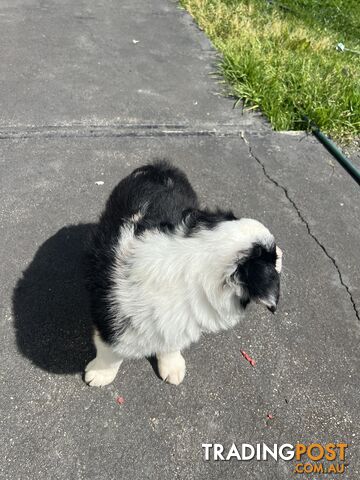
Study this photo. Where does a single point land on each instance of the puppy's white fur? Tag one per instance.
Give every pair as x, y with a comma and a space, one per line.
175, 287
171, 367
103, 369
279, 254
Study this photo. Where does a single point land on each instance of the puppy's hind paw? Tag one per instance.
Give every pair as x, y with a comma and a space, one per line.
172, 367
95, 376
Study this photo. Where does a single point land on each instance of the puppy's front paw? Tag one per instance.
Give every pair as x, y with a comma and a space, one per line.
172, 367
97, 375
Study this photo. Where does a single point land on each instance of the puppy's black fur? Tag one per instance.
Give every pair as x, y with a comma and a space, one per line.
259, 276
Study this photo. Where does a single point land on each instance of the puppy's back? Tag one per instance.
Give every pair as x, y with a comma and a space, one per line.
159, 192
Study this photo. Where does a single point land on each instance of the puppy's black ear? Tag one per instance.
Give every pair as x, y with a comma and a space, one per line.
195, 220
190, 217
258, 275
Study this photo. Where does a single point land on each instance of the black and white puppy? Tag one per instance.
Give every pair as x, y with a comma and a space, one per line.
162, 271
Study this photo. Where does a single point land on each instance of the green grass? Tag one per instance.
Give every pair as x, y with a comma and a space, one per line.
280, 57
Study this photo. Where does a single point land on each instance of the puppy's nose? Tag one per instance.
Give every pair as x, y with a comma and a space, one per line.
272, 308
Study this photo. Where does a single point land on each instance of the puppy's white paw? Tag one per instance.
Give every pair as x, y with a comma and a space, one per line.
172, 368
97, 375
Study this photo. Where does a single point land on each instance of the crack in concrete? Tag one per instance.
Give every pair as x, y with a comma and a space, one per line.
305, 222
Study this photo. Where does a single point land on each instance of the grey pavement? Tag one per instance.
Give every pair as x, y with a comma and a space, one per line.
81, 102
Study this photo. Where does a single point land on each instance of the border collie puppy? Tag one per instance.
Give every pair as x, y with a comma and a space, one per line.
162, 271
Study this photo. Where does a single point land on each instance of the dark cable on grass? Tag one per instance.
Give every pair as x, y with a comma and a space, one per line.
334, 150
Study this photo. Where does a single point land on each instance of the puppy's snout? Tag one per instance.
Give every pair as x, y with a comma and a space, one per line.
270, 303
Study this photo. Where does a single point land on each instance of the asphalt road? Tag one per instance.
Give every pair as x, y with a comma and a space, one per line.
89, 91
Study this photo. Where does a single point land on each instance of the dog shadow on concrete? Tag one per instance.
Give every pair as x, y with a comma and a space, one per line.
51, 305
